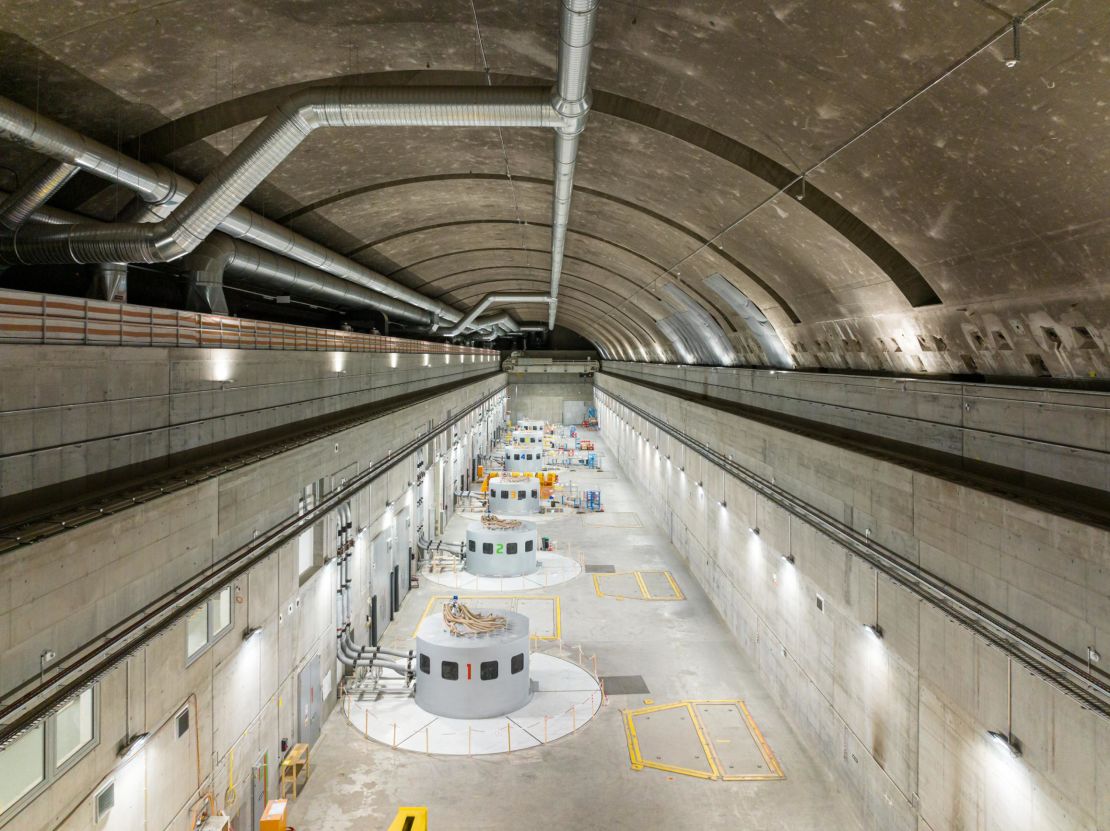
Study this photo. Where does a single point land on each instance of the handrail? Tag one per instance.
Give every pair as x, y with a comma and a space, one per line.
85, 665
1041, 656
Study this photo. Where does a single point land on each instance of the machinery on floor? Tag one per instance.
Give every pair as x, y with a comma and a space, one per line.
520, 458
473, 665
514, 494
498, 547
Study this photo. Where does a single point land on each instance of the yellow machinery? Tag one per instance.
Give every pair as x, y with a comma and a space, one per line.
547, 478
410, 819
273, 818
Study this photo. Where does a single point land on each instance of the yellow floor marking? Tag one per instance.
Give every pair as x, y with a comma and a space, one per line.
705, 739
645, 592
556, 609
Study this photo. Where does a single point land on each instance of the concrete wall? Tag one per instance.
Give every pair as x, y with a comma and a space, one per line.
63, 590
542, 396
904, 719
1061, 434
68, 412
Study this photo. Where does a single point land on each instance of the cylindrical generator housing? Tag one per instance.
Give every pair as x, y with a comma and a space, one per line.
532, 438
501, 552
524, 458
536, 424
514, 496
473, 676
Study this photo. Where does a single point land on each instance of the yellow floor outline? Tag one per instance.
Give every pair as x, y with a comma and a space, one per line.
645, 592
556, 609
716, 771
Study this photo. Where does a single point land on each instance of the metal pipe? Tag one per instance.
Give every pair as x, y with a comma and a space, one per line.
471, 317
242, 170
571, 98
257, 267
50, 177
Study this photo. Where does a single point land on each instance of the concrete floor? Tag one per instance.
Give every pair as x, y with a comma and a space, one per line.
585, 781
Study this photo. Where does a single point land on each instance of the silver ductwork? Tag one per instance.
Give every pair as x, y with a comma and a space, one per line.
571, 99
110, 282
50, 177
179, 215
221, 256
264, 149
471, 320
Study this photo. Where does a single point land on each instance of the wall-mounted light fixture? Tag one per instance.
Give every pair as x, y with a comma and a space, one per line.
1007, 739
250, 632
875, 630
722, 503
787, 558
755, 530
131, 745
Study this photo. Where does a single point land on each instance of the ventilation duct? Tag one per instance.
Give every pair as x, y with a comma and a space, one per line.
18, 207
571, 99
757, 322
471, 320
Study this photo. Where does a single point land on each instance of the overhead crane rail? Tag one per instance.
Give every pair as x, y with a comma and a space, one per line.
41, 696
1041, 656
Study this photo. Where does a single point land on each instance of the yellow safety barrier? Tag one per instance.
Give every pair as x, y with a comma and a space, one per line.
410, 819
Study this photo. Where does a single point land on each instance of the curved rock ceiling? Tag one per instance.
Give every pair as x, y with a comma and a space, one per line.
968, 232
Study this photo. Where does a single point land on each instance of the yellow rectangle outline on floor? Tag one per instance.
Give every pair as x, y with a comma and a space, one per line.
645, 593
757, 735
637, 759
554, 598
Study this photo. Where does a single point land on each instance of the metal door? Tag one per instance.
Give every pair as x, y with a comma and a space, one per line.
402, 545
381, 577
309, 706
259, 790
574, 412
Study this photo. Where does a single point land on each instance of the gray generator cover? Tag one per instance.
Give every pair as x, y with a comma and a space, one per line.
501, 552
472, 677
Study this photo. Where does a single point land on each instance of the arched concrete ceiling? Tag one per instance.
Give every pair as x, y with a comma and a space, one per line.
973, 217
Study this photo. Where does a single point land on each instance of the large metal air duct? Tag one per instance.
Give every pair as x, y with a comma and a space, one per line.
255, 158
571, 99
50, 177
471, 319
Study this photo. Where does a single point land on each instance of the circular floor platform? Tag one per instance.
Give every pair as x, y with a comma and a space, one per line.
552, 570
566, 697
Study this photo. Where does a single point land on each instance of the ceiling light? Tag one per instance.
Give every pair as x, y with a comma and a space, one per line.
1015, 57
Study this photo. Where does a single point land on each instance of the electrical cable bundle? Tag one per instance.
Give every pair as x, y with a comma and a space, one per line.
495, 523
459, 618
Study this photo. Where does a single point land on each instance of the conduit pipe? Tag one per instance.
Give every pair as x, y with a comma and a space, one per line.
571, 99
242, 170
471, 319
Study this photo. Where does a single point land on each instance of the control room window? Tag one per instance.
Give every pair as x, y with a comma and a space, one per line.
487, 548
73, 728
473, 546
22, 766
36, 759
488, 670
425, 665
207, 623
528, 545
449, 670
517, 664
510, 548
